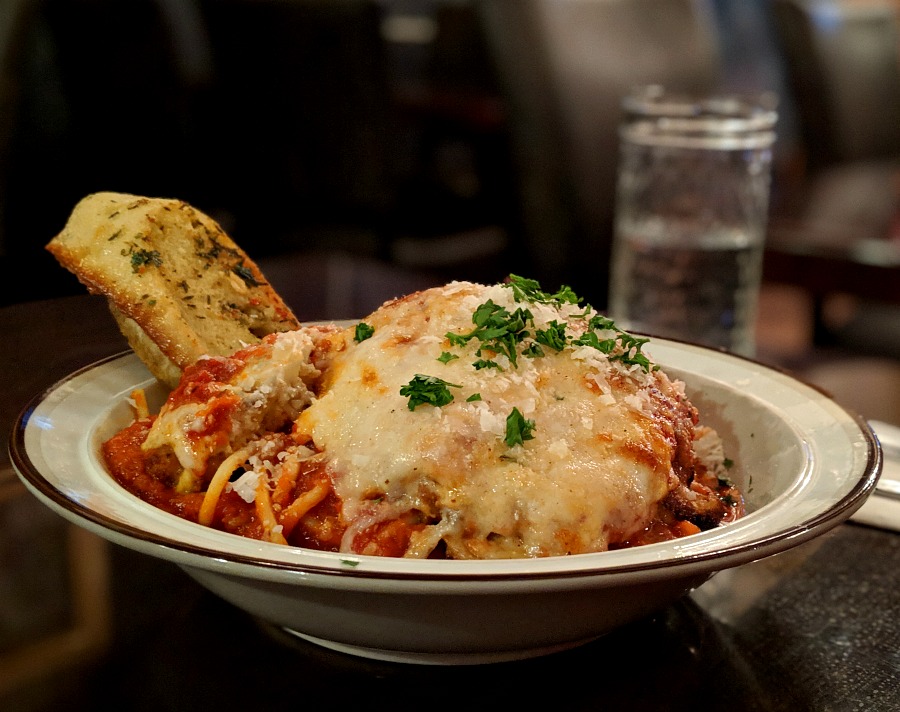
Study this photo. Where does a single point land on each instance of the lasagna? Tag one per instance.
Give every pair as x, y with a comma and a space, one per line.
466, 421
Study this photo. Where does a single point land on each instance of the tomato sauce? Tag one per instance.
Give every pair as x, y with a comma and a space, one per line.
319, 529
130, 469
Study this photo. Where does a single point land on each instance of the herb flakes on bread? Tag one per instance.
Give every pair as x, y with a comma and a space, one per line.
177, 285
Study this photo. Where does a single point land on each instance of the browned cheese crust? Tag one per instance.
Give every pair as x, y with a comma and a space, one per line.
177, 285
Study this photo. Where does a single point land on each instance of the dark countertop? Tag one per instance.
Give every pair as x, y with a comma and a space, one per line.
85, 624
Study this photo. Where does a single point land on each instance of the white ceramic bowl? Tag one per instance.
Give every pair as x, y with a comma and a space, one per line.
805, 465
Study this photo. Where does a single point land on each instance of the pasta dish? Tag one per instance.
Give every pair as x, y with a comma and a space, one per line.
466, 421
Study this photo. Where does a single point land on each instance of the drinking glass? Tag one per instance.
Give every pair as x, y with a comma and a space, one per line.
691, 211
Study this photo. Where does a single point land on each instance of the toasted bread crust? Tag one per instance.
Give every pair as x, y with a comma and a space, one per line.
178, 286
155, 360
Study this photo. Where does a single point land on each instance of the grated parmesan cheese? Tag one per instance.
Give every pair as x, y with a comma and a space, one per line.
245, 485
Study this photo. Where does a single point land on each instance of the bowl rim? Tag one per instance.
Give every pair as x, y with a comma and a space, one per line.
267, 560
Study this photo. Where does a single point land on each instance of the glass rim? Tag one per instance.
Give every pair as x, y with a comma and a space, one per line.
650, 133
652, 109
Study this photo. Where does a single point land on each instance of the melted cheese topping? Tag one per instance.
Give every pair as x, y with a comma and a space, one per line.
223, 403
600, 462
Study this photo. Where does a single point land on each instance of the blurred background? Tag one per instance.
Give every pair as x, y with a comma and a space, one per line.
399, 143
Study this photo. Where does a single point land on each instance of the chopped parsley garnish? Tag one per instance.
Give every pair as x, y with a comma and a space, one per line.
498, 330
630, 346
485, 363
518, 428
446, 357
214, 250
529, 290
139, 258
363, 331
474, 397
553, 336
244, 272
429, 390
